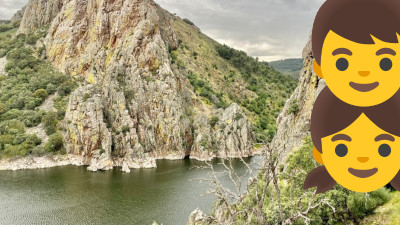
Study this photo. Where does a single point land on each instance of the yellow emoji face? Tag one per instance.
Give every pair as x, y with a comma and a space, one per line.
362, 157
360, 74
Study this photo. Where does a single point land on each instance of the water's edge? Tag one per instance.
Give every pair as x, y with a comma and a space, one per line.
49, 161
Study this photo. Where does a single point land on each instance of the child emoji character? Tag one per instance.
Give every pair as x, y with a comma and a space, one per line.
359, 147
355, 123
356, 48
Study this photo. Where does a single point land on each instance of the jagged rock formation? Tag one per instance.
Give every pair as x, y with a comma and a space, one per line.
293, 127
198, 217
232, 132
39, 13
18, 15
132, 106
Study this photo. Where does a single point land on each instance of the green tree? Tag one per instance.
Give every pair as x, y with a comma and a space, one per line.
50, 122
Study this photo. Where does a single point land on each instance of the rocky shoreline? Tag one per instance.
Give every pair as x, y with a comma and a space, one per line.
41, 162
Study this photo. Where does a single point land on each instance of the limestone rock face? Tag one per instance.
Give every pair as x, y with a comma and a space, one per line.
294, 127
39, 13
131, 107
229, 137
88, 134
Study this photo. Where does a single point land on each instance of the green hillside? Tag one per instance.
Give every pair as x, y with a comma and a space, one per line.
233, 76
290, 67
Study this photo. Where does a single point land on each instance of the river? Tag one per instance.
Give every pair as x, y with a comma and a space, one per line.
73, 195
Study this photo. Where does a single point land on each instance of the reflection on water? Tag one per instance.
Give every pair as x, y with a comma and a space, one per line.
73, 195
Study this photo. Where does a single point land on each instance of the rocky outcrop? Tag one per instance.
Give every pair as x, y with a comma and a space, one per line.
39, 13
228, 137
18, 15
131, 107
198, 217
294, 125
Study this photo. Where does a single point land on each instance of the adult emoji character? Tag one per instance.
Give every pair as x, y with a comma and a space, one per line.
356, 48
359, 147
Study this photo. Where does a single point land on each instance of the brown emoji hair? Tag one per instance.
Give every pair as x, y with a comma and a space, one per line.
356, 20
331, 115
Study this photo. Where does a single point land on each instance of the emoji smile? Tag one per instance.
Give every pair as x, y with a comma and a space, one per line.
363, 173
364, 87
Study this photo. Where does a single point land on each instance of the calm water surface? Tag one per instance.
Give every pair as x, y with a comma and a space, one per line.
73, 195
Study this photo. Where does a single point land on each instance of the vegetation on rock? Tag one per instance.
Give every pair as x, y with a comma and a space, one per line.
29, 81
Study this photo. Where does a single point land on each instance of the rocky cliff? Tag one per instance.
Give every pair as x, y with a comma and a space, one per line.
132, 105
39, 13
18, 15
294, 121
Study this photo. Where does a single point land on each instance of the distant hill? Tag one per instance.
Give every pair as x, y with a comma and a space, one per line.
4, 21
290, 67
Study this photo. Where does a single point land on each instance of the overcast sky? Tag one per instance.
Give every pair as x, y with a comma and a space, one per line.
268, 29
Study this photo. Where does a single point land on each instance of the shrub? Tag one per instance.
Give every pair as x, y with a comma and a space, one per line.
64, 89
174, 56
11, 114
50, 122
238, 116
5, 27
188, 21
86, 96
7, 139
195, 54
51, 88
224, 51
38, 151
3, 108
294, 107
125, 129
214, 121
32, 39
19, 139
40, 93
54, 144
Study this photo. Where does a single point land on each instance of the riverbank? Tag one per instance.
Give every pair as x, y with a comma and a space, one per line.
32, 162
35, 162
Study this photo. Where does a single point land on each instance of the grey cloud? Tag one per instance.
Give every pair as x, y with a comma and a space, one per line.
9, 7
268, 29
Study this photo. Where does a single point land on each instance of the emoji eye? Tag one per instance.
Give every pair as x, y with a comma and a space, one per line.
386, 64
341, 150
384, 150
342, 64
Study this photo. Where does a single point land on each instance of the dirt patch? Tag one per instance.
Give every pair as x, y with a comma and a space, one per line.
48, 104
39, 131
3, 62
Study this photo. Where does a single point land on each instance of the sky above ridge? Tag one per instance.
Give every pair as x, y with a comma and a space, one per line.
267, 29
